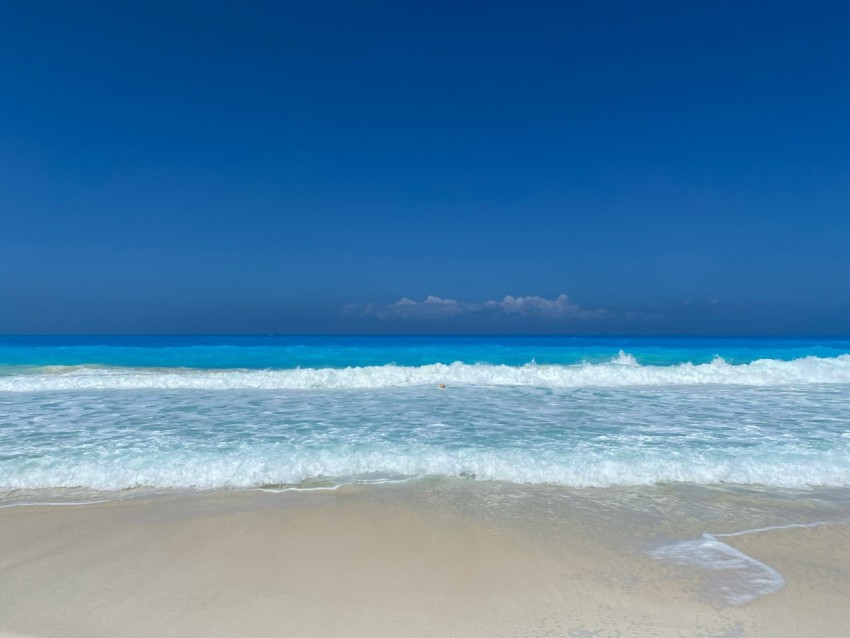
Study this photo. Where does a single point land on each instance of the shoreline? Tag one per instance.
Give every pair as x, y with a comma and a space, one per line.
426, 559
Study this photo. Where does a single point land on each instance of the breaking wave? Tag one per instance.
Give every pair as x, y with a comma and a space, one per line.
271, 466
622, 371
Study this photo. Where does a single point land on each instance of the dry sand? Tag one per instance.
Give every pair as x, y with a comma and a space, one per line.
375, 563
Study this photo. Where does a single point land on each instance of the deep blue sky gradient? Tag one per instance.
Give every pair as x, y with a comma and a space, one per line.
220, 168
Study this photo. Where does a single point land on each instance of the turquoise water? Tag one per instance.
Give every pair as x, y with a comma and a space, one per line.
209, 412
335, 352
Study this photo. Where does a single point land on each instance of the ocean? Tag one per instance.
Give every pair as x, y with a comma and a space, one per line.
673, 448
116, 413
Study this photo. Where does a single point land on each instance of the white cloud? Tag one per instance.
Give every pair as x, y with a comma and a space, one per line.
433, 307
531, 306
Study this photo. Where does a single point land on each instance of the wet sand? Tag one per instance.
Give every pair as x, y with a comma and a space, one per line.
385, 562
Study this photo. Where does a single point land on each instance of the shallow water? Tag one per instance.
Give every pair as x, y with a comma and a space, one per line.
669, 449
75, 414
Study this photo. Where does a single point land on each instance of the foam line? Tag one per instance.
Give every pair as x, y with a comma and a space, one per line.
740, 578
50, 504
774, 528
334, 488
622, 371
737, 578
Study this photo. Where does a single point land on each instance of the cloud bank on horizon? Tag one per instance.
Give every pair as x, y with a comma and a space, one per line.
436, 308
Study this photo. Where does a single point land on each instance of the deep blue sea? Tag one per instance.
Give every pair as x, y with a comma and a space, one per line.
112, 413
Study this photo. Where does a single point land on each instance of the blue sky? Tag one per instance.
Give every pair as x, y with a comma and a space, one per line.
672, 168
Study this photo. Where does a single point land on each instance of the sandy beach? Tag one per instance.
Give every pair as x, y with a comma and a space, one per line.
424, 320
384, 562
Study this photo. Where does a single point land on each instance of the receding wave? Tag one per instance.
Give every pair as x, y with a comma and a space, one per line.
623, 371
276, 467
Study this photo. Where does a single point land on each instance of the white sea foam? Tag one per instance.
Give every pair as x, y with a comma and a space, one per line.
774, 528
336, 486
623, 371
275, 466
56, 504
770, 422
736, 578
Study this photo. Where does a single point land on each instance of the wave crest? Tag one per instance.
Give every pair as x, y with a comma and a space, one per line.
623, 371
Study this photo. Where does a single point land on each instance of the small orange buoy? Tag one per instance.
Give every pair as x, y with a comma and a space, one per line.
442, 386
